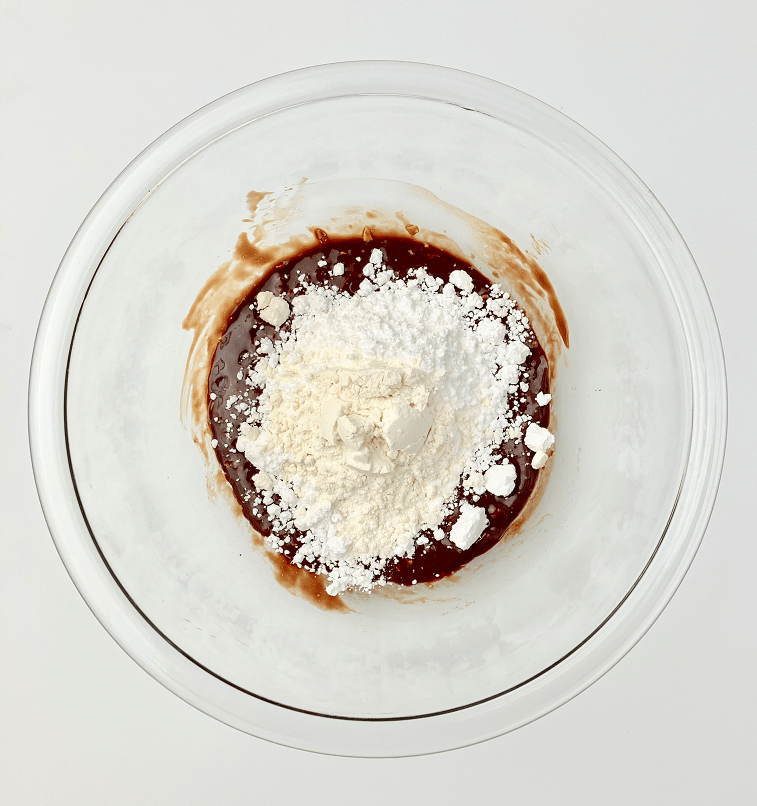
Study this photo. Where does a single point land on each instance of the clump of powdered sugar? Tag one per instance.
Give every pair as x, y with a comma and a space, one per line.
374, 407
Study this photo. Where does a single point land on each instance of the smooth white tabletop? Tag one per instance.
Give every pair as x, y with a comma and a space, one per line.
85, 85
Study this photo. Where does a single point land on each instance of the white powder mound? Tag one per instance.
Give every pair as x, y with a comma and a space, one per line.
374, 407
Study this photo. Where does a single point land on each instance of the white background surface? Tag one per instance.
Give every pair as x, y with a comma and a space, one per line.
84, 87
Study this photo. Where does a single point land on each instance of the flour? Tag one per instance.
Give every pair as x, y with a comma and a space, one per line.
375, 408
272, 309
468, 527
541, 441
500, 479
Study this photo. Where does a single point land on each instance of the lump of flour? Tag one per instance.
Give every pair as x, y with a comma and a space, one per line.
273, 309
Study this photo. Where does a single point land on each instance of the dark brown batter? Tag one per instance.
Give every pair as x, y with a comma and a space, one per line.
246, 330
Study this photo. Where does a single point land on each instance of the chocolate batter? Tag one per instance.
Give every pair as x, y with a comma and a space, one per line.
245, 331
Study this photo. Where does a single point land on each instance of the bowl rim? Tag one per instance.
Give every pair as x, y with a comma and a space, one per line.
392, 736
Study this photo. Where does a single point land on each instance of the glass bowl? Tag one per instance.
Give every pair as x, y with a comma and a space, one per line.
639, 412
